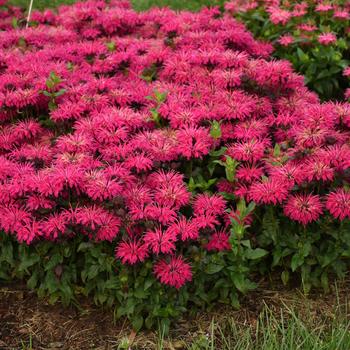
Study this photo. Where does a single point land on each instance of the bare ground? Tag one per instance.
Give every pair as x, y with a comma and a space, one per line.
27, 322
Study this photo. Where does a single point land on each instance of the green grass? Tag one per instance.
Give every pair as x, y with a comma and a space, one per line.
40, 4
139, 5
192, 5
286, 330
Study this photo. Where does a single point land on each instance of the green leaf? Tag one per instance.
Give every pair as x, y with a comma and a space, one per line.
33, 280
27, 262
137, 323
93, 271
54, 261
285, 277
84, 246
297, 260
7, 252
148, 283
255, 254
60, 92
213, 268
219, 152
111, 46
302, 55
215, 130
46, 93
241, 283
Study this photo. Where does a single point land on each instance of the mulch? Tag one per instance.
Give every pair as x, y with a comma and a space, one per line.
27, 322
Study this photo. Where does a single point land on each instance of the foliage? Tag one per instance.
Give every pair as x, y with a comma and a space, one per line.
317, 252
313, 35
158, 160
77, 268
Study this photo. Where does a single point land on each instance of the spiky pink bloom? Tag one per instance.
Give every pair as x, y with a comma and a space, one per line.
342, 15
286, 40
327, 38
323, 8
131, 251
279, 16
252, 150
288, 173
249, 173
185, 229
338, 204
318, 169
160, 241
193, 142
28, 231
303, 208
206, 205
164, 214
272, 191
55, 225
169, 189
219, 241
173, 271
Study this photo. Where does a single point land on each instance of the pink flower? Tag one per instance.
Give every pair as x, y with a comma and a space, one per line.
327, 38
139, 162
307, 27
55, 225
323, 8
160, 241
251, 151
286, 40
249, 173
185, 229
169, 189
317, 169
219, 241
338, 204
279, 16
28, 231
342, 15
131, 251
173, 271
157, 212
206, 205
346, 72
303, 208
271, 191
193, 142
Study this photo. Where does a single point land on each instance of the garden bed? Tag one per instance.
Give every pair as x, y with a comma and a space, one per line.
31, 324
163, 163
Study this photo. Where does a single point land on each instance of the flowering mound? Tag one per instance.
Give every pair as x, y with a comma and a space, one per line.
313, 35
149, 129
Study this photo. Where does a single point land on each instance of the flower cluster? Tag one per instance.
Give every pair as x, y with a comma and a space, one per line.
103, 109
314, 35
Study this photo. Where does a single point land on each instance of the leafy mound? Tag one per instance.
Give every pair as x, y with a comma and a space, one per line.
152, 132
313, 35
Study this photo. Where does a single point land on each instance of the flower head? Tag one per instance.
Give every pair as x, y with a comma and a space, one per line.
173, 271
131, 251
327, 38
338, 204
303, 208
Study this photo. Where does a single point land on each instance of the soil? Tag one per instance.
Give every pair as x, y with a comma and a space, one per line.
27, 322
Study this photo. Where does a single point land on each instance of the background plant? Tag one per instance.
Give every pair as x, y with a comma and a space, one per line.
313, 36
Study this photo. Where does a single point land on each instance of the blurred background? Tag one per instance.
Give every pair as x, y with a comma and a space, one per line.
139, 5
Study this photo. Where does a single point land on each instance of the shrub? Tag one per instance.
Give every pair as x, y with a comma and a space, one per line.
313, 35
137, 150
